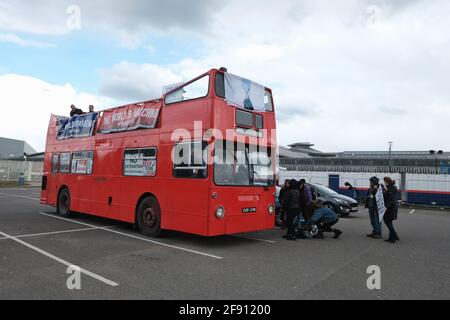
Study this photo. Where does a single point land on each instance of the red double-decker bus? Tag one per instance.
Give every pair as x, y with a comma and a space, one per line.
199, 160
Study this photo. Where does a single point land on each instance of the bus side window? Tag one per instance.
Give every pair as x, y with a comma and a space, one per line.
64, 163
55, 163
82, 162
140, 162
189, 160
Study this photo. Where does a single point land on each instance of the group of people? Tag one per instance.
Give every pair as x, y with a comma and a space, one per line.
390, 201
297, 206
74, 111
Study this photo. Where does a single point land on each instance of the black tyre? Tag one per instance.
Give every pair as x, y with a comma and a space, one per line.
63, 207
149, 217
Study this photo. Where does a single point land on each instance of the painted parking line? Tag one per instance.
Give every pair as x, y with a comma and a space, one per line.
253, 238
62, 261
20, 197
56, 232
413, 211
137, 237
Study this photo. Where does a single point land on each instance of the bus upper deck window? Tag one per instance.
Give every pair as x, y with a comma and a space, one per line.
268, 101
220, 85
195, 90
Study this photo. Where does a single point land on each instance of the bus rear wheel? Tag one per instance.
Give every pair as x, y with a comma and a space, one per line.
63, 207
149, 217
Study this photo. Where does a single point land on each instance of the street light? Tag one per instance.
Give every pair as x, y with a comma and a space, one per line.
391, 143
25, 169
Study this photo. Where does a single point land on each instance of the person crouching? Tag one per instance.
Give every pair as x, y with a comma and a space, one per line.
324, 218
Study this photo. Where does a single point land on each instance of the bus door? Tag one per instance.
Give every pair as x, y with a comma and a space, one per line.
52, 180
191, 185
106, 186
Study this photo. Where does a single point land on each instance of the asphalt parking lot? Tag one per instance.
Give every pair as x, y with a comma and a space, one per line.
118, 263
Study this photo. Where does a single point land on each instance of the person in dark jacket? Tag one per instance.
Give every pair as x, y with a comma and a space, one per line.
390, 200
283, 191
290, 205
75, 111
371, 204
305, 196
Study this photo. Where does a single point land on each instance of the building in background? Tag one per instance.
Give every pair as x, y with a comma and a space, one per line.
20, 162
11, 148
302, 157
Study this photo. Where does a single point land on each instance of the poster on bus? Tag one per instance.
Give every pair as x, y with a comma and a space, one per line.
77, 126
139, 167
128, 118
244, 93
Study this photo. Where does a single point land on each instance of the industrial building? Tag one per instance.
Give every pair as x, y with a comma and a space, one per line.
11, 148
18, 159
302, 157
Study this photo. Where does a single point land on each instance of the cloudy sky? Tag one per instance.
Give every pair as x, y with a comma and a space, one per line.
346, 75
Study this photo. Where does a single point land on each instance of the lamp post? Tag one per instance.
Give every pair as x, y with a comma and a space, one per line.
25, 169
391, 143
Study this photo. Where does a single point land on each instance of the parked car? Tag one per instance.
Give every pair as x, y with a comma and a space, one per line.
342, 205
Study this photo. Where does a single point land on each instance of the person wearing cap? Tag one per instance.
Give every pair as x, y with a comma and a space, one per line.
371, 204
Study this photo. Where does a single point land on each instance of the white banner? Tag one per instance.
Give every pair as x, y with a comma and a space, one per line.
380, 202
244, 93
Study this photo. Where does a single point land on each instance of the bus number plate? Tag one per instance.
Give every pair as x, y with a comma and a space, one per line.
248, 210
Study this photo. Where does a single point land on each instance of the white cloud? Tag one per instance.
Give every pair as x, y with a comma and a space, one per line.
127, 81
342, 78
131, 21
26, 104
12, 38
349, 74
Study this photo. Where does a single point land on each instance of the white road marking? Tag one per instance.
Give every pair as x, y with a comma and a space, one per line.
56, 232
253, 238
413, 211
137, 237
62, 261
21, 197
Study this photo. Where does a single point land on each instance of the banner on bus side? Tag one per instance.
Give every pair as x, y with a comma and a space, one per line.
77, 126
130, 118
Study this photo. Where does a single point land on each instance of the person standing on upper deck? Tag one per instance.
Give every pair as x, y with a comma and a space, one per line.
75, 111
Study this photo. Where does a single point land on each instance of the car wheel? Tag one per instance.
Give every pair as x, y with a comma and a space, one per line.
63, 206
149, 217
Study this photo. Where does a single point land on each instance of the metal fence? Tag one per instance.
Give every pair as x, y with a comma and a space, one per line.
428, 189
30, 172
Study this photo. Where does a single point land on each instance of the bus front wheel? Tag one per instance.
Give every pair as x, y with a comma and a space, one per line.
63, 207
149, 217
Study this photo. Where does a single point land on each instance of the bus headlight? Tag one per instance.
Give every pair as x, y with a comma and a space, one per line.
220, 213
271, 209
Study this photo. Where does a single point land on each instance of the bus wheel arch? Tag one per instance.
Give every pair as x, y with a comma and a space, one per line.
148, 215
63, 202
